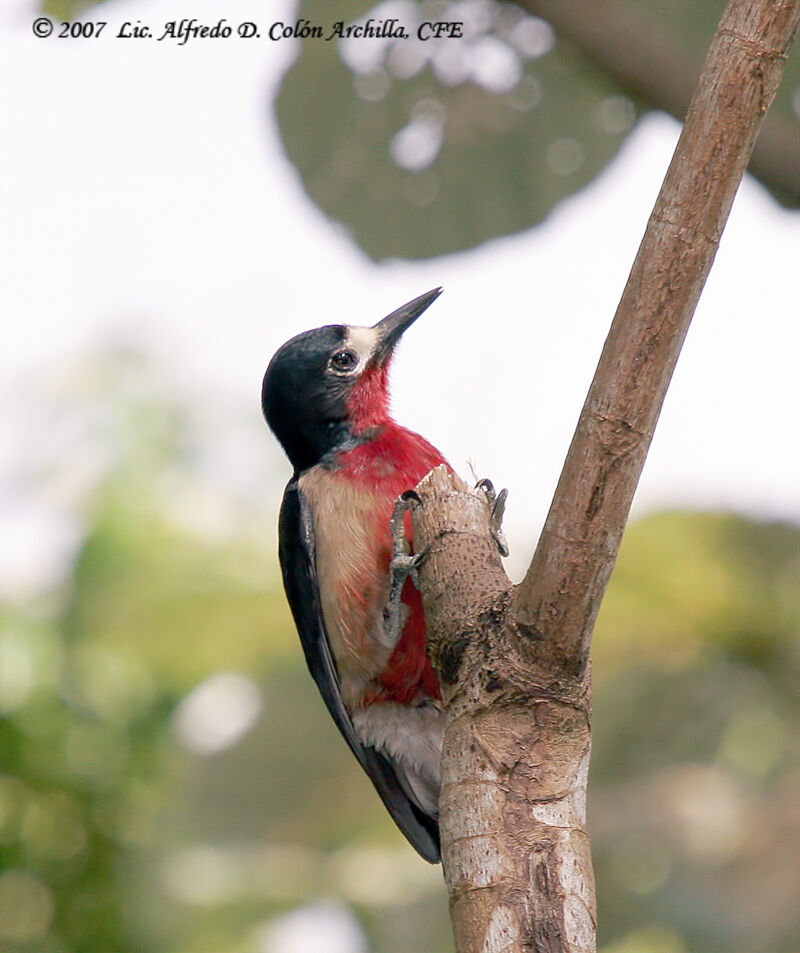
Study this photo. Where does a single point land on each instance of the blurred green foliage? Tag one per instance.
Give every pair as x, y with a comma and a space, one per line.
136, 815
503, 148
67, 10
425, 148
124, 824
696, 761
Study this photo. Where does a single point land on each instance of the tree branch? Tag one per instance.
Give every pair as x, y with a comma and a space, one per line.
649, 61
516, 751
513, 662
560, 595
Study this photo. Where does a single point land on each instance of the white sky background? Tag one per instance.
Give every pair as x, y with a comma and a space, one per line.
144, 194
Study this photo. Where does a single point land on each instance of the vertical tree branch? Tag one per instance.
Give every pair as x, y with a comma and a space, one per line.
513, 662
516, 751
561, 593
631, 44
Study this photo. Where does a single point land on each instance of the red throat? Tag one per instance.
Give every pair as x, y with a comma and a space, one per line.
368, 404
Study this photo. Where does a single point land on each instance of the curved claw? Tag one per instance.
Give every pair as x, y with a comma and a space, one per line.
497, 501
402, 565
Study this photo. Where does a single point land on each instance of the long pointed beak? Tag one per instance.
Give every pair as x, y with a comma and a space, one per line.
391, 328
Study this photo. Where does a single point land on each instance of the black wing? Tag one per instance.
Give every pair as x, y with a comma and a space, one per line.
298, 563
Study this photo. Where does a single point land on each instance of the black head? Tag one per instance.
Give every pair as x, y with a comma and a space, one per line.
307, 394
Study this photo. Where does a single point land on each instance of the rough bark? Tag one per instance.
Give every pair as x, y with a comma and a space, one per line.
516, 752
514, 661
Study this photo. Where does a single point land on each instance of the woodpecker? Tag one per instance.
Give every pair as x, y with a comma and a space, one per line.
325, 397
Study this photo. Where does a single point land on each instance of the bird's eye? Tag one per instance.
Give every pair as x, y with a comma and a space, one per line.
344, 361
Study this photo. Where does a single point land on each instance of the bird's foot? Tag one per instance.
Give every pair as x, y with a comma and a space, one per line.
402, 565
497, 501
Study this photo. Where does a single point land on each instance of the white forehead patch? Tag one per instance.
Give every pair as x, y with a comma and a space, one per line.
363, 342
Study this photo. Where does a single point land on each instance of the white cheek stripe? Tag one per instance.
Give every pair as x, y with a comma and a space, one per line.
363, 341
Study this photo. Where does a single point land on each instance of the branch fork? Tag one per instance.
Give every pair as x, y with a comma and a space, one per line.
513, 661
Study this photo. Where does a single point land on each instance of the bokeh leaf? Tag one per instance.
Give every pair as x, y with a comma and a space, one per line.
146, 801
425, 148
422, 148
